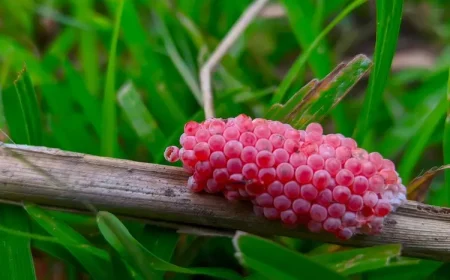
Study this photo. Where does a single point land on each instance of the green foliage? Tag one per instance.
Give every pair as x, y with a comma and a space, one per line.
445, 193
278, 262
120, 78
109, 133
17, 262
389, 15
145, 261
313, 102
96, 261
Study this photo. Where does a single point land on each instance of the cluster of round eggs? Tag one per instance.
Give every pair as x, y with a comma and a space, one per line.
323, 181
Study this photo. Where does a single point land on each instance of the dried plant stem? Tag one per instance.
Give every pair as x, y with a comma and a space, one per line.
208, 68
158, 194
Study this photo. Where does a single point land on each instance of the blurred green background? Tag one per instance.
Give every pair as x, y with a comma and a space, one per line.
124, 88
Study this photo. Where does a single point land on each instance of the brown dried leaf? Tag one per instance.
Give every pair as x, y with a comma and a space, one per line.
418, 188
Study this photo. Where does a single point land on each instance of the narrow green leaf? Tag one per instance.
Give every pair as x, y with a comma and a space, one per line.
419, 141
420, 103
300, 15
122, 270
88, 50
25, 90
278, 111
22, 111
189, 77
278, 262
389, 15
67, 125
15, 116
355, 261
53, 248
141, 120
24, 122
445, 191
314, 101
161, 242
165, 105
300, 62
109, 123
145, 261
79, 92
15, 252
96, 261
419, 271
319, 102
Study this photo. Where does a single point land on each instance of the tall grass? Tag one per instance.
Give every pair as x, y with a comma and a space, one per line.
119, 79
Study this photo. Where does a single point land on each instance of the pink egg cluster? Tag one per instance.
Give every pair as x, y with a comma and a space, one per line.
324, 182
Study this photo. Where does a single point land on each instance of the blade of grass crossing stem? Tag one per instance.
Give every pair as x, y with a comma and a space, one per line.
419, 142
278, 262
15, 252
145, 261
389, 16
96, 261
301, 60
109, 133
141, 120
446, 190
88, 50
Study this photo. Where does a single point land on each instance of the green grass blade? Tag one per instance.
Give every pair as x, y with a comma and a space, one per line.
22, 111
278, 111
300, 62
122, 270
301, 15
109, 122
67, 125
141, 120
189, 77
321, 100
423, 270
161, 242
278, 262
52, 248
24, 122
315, 100
15, 116
168, 107
145, 261
96, 261
15, 252
419, 141
389, 15
79, 92
420, 103
25, 89
88, 50
354, 261
446, 189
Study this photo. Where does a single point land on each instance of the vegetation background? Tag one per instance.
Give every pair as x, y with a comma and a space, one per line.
119, 78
